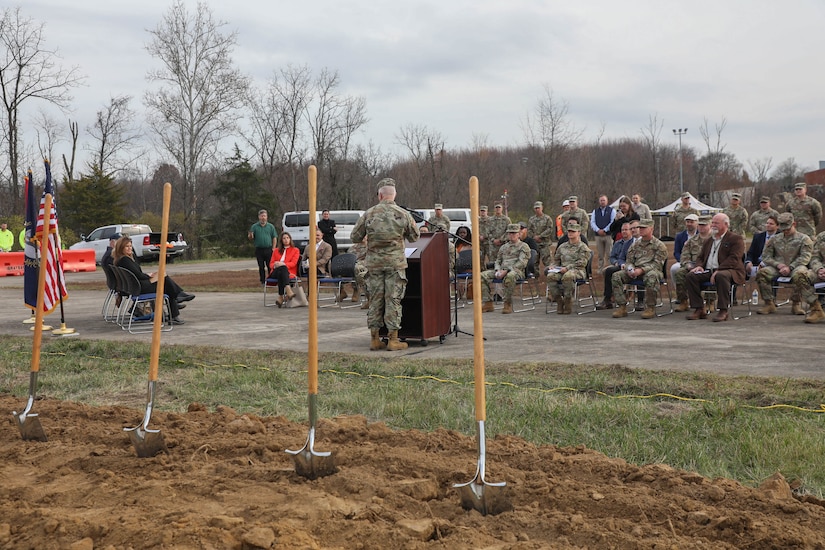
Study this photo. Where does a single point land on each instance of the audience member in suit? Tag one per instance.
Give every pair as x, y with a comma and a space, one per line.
754, 256
323, 254
720, 264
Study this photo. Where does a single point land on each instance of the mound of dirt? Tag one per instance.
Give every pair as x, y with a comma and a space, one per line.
227, 483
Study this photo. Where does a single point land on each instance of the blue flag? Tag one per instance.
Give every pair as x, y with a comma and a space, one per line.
31, 262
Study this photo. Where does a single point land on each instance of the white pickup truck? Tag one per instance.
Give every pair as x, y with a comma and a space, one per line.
146, 245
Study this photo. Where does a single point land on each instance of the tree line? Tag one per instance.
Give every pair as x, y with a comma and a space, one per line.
198, 104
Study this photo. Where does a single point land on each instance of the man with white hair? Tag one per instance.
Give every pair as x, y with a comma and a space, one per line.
721, 264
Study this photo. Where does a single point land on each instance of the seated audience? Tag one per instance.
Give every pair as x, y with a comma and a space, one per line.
691, 252
569, 265
511, 262
618, 256
785, 255
645, 260
284, 265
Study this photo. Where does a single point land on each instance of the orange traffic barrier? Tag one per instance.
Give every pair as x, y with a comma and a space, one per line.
11, 263
78, 260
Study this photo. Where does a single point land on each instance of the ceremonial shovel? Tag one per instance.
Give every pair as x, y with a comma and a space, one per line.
29, 424
478, 494
310, 463
149, 442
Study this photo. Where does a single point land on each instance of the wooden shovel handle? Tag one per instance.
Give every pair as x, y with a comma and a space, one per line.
154, 358
312, 351
41, 284
478, 329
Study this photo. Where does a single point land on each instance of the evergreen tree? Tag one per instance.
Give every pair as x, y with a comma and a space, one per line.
91, 201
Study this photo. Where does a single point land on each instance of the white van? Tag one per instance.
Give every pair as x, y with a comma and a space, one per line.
458, 217
297, 225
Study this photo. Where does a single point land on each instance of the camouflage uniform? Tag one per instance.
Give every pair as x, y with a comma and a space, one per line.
679, 214
513, 257
579, 214
758, 219
496, 229
794, 251
806, 287
650, 256
738, 219
360, 251
436, 222
806, 212
483, 239
542, 226
574, 257
691, 253
386, 226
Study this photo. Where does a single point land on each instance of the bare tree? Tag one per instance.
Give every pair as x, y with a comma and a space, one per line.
427, 149
712, 162
295, 92
28, 71
200, 90
550, 134
68, 165
652, 136
114, 134
760, 169
48, 134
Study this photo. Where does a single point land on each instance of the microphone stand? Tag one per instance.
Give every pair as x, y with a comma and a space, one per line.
419, 218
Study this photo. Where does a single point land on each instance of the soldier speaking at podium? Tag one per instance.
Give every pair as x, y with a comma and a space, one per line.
386, 227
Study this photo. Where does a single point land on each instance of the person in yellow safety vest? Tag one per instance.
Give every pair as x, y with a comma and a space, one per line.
22, 238
565, 206
6, 238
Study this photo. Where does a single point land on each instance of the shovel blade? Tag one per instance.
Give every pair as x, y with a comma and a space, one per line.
30, 427
147, 443
485, 498
312, 465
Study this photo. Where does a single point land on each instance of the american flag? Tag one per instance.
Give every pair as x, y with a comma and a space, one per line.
55, 284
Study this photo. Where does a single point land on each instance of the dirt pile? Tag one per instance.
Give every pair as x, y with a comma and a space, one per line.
227, 483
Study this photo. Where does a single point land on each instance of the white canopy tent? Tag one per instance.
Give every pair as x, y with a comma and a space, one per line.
694, 202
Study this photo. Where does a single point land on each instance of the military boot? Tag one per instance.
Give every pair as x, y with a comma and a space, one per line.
796, 309
508, 307
568, 305
395, 344
649, 312
376, 343
365, 305
816, 314
621, 312
488, 307
769, 307
683, 305
559, 305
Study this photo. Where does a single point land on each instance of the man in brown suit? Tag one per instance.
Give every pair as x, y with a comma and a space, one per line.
721, 263
323, 254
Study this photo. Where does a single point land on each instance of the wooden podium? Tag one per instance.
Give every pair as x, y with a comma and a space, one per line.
426, 304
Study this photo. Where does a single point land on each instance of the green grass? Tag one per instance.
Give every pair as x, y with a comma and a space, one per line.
743, 428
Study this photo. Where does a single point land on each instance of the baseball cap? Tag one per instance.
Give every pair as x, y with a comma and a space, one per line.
566, 203
693, 217
513, 228
785, 220
538, 204
800, 185
647, 222
704, 220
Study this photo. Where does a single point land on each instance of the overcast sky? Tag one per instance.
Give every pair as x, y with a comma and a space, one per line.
476, 67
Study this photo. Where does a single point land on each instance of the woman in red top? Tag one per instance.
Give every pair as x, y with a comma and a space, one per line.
284, 266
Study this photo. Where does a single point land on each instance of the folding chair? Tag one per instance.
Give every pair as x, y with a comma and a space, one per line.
709, 294
463, 276
341, 271
527, 303
272, 282
136, 299
110, 303
581, 302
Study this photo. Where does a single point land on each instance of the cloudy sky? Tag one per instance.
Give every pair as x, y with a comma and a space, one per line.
476, 67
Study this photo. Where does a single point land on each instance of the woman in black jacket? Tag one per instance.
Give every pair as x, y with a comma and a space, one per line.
148, 281
626, 214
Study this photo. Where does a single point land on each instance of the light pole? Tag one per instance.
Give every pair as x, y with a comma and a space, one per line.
680, 132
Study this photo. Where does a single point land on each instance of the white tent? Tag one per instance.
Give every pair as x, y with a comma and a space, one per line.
665, 212
694, 202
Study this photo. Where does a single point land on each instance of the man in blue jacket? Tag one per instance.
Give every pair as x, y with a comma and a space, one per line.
618, 254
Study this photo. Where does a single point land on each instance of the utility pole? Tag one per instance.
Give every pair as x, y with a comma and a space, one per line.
680, 132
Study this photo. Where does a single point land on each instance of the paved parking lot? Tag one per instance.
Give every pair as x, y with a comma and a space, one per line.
773, 345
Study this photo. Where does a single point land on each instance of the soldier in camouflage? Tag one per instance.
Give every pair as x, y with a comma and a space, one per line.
691, 252
575, 213
361, 272
483, 228
496, 233
438, 220
541, 228
385, 226
787, 254
645, 260
510, 265
737, 214
807, 211
760, 217
569, 265
683, 210
814, 274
